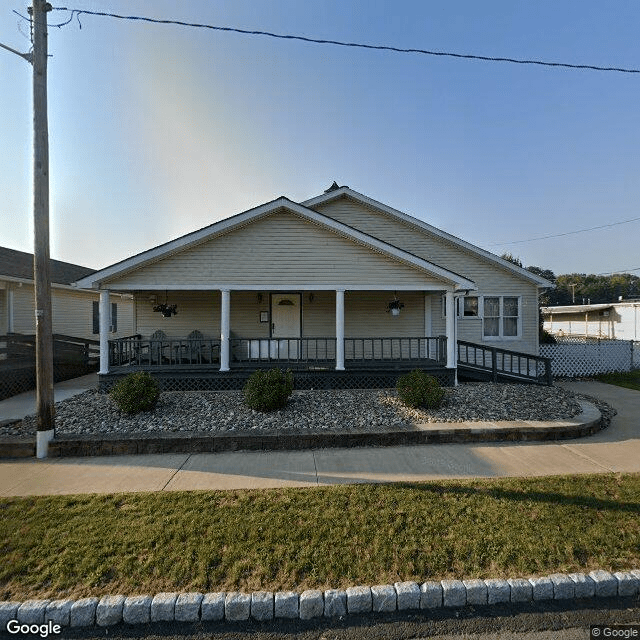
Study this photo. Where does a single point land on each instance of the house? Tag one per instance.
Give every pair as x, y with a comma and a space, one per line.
617, 320
74, 311
337, 283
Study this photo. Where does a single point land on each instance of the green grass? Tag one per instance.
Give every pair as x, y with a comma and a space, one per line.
630, 379
322, 537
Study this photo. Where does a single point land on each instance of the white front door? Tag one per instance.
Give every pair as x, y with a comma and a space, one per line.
285, 323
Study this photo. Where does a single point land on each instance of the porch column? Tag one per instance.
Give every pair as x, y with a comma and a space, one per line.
451, 330
9, 309
104, 324
339, 329
225, 311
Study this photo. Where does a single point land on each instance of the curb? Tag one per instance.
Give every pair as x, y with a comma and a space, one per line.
586, 423
261, 606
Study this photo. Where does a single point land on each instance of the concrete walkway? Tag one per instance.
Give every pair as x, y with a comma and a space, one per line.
614, 449
24, 404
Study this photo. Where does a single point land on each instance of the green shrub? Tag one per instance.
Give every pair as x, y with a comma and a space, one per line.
547, 338
418, 389
268, 390
135, 392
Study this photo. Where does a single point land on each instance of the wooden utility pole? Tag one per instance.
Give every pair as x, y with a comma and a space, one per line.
41, 271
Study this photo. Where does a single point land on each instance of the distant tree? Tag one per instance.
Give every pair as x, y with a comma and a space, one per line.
511, 258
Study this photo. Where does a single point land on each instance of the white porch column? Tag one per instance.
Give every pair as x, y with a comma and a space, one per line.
225, 312
105, 325
9, 309
451, 330
339, 329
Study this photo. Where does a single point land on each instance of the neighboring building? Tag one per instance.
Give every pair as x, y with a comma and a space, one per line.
74, 311
617, 320
315, 283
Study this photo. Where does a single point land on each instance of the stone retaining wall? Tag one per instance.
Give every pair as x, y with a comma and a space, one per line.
333, 603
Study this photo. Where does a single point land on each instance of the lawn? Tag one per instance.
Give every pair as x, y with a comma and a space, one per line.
630, 379
320, 537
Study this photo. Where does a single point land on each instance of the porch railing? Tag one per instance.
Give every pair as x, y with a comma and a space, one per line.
135, 350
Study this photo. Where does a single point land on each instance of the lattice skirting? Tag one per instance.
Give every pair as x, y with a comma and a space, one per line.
589, 357
235, 380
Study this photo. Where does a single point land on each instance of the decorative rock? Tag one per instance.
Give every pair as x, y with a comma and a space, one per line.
286, 604
563, 586
497, 591
542, 588
109, 610
32, 611
628, 584
430, 595
606, 584
335, 603
83, 612
521, 590
163, 607
136, 609
584, 586
311, 604
359, 600
476, 591
383, 598
212, 606
188, 607
237, 606
408, 595
262, 605
454, 593
58, 612
8, 611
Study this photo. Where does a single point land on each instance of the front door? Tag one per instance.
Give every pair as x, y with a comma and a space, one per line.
285, 323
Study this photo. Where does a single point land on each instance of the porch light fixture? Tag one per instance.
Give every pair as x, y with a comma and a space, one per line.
167, 310
394, 306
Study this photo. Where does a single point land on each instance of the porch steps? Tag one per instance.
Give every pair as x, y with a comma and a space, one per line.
494, 364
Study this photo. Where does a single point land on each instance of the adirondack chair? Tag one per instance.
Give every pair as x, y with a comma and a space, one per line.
158, 347
195, 350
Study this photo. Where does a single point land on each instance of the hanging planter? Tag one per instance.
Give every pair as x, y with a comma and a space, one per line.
394, 306
167, 310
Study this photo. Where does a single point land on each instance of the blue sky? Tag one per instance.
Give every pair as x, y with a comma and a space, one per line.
159, 130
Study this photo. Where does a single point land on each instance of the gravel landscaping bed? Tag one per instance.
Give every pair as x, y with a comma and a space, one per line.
93, 413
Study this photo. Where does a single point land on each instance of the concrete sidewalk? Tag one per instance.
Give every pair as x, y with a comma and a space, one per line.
24, 404
614, 449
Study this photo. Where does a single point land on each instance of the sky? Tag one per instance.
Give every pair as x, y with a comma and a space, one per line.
158, 130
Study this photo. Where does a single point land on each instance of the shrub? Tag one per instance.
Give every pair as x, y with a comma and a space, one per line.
268, 390
135, 392
547, 338
418, 389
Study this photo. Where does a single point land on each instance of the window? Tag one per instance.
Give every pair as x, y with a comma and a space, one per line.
113, 328
501, 316
469, 307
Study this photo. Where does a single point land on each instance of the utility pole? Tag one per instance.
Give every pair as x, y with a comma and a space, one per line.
41, 271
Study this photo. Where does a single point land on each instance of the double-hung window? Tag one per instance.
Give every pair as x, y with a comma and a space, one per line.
501, 317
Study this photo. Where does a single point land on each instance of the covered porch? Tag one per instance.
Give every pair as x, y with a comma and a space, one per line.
306, 330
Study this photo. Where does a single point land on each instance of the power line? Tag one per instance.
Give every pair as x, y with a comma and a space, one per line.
567, 233
78, 12
622, 271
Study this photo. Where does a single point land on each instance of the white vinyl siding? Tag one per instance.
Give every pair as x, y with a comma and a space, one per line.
489, 277
281, 247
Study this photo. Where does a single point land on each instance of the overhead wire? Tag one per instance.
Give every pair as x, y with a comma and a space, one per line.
565, 65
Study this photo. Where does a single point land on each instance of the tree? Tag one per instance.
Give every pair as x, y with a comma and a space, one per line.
511, 258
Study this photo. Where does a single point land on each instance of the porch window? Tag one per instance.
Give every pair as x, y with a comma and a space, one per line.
501, 316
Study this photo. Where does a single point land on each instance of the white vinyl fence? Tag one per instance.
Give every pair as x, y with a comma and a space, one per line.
573, 357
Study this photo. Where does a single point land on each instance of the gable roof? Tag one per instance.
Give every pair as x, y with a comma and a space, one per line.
335, 192
19, 264
228, 224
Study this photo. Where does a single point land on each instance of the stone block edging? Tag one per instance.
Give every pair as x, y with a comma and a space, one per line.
332, 603
584, 424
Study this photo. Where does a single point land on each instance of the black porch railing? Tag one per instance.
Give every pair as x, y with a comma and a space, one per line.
247, 352
502, 364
